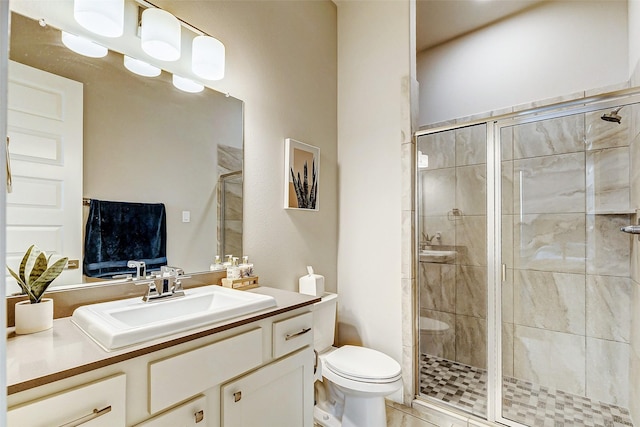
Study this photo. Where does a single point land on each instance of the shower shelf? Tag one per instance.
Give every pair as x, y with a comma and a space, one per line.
613, 212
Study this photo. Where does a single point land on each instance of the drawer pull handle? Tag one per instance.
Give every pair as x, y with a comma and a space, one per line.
237, 396
92, 416
199, 416
297, 334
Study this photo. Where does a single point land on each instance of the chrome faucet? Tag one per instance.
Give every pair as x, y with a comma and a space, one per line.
167, 284
141, 269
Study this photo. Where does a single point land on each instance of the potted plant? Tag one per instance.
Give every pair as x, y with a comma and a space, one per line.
35, 276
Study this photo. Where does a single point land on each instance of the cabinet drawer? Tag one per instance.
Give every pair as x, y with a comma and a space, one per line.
292, 334
188, 414
180, 377
97, 404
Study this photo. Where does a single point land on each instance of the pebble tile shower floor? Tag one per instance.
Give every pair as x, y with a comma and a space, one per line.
534, 405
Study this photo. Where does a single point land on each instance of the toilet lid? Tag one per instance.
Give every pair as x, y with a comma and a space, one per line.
363, 364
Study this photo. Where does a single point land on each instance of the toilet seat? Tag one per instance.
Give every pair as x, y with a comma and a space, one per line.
363, 365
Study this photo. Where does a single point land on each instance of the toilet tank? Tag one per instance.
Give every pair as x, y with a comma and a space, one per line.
324, 322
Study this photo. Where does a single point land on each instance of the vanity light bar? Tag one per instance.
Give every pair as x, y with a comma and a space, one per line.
187, 85
83, 46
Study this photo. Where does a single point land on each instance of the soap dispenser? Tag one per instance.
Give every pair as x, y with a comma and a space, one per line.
246, 269
216, 264
233, 272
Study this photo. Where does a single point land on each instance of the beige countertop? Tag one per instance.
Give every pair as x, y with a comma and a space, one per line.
65, 350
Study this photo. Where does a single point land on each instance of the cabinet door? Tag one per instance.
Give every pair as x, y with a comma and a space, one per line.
190, 414
279, 394
98, 404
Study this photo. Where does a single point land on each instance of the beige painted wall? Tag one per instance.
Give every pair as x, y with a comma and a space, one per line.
281, 61
554, 49
373, 131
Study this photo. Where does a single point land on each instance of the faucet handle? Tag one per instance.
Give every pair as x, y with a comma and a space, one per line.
141, 269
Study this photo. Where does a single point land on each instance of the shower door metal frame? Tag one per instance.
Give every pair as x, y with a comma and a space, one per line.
494, 230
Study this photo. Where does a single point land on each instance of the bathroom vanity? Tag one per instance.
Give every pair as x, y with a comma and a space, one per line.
251, 370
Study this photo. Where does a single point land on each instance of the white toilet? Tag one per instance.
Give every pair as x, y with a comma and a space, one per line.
352, 382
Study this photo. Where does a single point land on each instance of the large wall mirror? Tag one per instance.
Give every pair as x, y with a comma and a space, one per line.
142, 140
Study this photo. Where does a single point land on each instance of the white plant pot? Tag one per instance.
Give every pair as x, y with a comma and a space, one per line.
31, 318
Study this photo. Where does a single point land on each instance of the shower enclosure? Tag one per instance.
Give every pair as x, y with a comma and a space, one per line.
525, 281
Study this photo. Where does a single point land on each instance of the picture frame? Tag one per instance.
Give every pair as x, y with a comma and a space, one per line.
301, 176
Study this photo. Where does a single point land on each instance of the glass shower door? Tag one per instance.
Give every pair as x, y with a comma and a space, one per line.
452, 267
566, 287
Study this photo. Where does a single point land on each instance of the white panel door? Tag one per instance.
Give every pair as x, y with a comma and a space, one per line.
45, 142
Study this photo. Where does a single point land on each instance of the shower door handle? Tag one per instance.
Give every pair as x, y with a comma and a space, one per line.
631, 229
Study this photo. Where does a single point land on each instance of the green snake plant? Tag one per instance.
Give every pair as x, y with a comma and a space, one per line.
35, 273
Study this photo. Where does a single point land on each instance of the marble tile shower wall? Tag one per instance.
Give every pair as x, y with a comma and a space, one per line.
455, 293
634, 360
567, 300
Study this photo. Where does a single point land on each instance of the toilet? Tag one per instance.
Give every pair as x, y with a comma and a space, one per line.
351, 382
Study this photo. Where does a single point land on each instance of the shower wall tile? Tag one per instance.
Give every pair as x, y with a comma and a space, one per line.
506, 143
507, 298
608, 371
634, 392
609, 305
635, 321
471, 189
507, 240
560, 363
550, 242
608, 88
471, 145
549, 184
608, 250
549, 101
554, 301
438, 191
608, 180
471, 234
471, 291
471, 341
507, 349
407, 260
549, 137
635, 172
438, 286
443, 343
408, 162
440, 147
507, 187
601, 134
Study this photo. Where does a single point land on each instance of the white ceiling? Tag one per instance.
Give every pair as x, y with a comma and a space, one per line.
439, 21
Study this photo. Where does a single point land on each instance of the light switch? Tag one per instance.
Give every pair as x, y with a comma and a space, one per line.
186, 216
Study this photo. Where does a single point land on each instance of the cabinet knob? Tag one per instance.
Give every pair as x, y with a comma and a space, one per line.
237, 396
199, 416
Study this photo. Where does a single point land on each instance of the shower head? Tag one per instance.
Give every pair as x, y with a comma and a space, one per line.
612, 116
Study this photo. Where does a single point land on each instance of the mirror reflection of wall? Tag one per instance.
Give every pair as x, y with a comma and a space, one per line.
144, 141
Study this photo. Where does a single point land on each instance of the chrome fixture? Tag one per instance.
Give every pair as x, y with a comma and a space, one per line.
141, 269
165, 285
631, 229
612, 116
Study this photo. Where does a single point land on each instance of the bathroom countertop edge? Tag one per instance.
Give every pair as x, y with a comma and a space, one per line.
82, 354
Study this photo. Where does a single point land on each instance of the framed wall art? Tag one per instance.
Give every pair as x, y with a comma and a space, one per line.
302, 175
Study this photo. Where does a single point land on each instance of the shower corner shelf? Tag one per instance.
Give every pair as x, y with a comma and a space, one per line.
612, 212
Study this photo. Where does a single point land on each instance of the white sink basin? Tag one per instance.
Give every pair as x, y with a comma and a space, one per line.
117, 324
433, 255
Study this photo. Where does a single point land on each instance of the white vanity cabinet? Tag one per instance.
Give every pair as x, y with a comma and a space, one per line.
97, 404
275, 395
280, 393
194, 382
